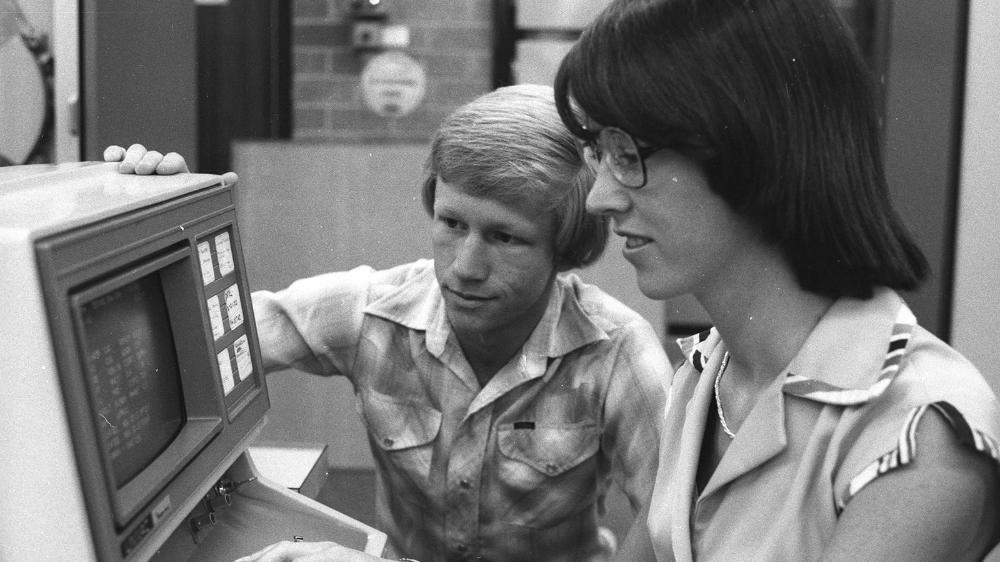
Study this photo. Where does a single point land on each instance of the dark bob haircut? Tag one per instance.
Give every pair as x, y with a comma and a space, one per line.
775, 101
510, 145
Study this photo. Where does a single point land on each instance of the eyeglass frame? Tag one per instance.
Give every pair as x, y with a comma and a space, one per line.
593, 145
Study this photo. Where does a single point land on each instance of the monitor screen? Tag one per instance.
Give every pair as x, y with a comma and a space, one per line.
133, 375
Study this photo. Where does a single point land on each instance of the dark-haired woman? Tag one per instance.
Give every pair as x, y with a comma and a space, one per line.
737, 150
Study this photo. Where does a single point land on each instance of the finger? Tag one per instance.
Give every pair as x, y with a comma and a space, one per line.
132, 157
336, 553
285, 551
147, 165
172, 163
263, 554
114, 153
230, 178
331, 555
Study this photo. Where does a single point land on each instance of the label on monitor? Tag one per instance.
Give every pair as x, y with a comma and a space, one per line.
215, 314
226, 371
224, 252
234, 308
244, 363
205, 258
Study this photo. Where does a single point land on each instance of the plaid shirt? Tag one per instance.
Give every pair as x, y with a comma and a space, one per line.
512, 471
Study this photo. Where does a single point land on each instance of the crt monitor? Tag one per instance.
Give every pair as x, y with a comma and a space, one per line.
131, 377
129, 363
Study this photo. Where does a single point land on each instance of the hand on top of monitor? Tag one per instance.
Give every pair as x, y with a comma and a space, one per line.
140, 161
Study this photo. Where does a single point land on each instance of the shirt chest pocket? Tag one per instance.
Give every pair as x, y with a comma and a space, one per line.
550, 450
550, 469
402, 431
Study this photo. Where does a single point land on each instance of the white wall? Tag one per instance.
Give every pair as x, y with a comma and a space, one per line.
976, 304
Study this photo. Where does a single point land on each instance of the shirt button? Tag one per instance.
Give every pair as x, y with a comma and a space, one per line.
388, 442
462, 548
465, 484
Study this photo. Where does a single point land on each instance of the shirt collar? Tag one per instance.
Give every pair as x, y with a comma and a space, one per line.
565, 326
417, 304
849, 358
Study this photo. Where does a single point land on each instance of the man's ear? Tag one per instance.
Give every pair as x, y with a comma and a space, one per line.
427, 193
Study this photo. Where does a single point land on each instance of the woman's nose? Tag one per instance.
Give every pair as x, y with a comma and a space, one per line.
607, 196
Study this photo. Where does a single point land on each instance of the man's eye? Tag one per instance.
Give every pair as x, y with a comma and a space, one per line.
503, 237
450, 223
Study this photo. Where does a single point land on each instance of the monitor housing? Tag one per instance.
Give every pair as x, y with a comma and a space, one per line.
149, 315
147, 319
132, 378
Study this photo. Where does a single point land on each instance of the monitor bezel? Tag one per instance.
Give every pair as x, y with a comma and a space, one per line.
202, 417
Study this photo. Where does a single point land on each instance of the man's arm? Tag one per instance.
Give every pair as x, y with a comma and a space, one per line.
637, 545
282, 344
633, 417
314, 325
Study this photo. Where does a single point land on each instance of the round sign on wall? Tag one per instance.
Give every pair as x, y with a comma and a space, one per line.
393, 84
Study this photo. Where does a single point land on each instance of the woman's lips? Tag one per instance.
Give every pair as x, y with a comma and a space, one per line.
635, 242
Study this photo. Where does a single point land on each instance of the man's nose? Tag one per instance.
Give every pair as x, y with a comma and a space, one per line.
471, 261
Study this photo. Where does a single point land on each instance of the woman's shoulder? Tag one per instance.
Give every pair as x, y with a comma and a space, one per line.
934, 381
932, 371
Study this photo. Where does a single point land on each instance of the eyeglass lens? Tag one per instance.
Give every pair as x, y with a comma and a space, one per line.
624, 158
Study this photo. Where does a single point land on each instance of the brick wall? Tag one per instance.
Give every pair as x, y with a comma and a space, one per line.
451, 39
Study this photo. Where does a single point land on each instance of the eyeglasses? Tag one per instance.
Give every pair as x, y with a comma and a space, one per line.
626, 159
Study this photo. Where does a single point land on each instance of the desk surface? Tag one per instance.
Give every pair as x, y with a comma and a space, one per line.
302, 467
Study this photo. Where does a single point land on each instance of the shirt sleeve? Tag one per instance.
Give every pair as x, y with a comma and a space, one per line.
883, 434
313, 325
641, 373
